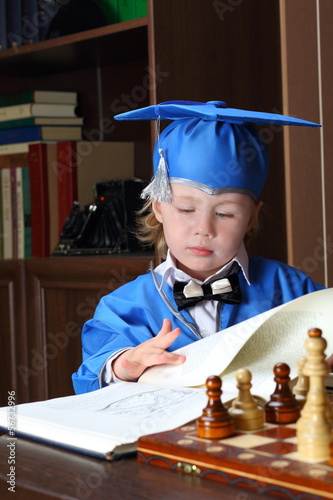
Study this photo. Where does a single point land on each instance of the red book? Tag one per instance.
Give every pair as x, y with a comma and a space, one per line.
67, 179
39, 200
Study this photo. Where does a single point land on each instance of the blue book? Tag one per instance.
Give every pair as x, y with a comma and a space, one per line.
14, 23
40, 133
3, 25
47, 9
30, 21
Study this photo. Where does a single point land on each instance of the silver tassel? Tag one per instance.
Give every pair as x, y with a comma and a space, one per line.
159, 188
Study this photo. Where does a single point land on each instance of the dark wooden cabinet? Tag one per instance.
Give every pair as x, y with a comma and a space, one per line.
44, 303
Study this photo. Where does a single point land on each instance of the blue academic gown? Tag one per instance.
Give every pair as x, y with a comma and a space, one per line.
134, 313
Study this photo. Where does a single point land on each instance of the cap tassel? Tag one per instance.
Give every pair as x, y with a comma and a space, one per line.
159, 188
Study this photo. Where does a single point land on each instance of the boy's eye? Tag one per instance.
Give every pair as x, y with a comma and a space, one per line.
186, 210
223, 216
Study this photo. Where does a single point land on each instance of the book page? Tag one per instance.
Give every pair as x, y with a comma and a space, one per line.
101, 420
259, 343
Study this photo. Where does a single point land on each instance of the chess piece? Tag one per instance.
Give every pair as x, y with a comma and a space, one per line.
301, 388
283, 408
313, 427
248, 416
330, 460
215, 421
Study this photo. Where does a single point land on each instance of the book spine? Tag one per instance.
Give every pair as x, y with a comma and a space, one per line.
30, 30
47, 11
3, 25
126, 10
20, 214
14, 23
25, 134
140, 8
110, 9
7, 214
66, 179
26, 211
39, 200
14, 211
15, 112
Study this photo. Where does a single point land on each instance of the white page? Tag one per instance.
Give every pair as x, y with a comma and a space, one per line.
100, 420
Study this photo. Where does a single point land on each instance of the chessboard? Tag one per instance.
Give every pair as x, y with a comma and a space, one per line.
264, 461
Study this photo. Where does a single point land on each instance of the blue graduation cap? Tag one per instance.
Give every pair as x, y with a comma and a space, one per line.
210, 147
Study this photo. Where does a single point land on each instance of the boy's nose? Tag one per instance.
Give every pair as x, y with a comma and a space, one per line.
205, 226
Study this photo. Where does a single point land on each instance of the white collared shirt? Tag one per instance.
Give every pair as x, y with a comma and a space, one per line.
203, 314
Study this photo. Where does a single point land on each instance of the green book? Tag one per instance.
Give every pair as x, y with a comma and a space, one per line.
27, 212
126, 10
140, 8
110, 9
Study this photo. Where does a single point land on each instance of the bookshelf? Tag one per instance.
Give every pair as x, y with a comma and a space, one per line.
184, 49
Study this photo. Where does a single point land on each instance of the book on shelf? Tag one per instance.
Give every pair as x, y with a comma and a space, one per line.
37, 109
38, 96
47, 10
30, 20
3, 26
44, 120
40, 133
7, 251
9, 149
126, 10
15, 162
80, 164
112, 419
40, 229
13, 23
26, 212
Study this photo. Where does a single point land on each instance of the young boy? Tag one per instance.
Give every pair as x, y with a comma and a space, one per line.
210, 168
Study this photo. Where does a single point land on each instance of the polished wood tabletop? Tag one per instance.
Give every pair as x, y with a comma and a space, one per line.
45, 472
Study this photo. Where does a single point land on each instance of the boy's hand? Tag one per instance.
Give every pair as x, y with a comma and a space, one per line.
132, 363
330, 362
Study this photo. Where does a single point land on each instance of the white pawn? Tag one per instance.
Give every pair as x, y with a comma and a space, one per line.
313, 426
247, 415
301, 388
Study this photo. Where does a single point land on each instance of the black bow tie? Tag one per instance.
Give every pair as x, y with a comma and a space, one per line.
188, 294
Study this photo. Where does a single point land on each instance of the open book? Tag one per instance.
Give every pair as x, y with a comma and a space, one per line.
109, 421
277, 335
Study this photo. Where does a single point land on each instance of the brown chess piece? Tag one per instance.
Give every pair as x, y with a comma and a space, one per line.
215, 421
330, 460
283, 408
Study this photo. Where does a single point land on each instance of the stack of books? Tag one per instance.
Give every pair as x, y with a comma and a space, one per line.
39, 115
45, 167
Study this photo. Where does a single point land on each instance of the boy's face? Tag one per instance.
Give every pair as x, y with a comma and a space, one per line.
204, 232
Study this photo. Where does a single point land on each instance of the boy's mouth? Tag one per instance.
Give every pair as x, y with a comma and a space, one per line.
201, 251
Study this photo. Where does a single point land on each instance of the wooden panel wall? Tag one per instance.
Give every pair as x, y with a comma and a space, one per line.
307, 63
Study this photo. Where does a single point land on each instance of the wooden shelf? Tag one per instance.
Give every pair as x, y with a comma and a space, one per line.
120, 42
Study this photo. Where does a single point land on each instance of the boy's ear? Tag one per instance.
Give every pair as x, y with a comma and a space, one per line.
157, 210
254, 215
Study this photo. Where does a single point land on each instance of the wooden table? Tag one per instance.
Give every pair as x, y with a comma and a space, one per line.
45, 472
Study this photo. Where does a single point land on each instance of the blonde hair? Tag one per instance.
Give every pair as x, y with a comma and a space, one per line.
150, 231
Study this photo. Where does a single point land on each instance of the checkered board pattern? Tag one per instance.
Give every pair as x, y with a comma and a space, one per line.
265, 461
